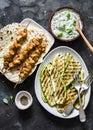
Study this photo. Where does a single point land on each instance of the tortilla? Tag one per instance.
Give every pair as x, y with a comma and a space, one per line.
7, 35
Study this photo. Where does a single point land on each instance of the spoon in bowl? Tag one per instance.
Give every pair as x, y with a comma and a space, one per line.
83, 36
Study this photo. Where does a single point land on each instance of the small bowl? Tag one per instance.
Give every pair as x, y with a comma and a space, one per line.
62, 23
23, 100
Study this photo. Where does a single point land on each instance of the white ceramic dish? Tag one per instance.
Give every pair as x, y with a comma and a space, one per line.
13, 76
18, 97
48, 59
62, 23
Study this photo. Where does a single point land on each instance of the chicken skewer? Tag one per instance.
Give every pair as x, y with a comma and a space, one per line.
14, 48
22, 55
30, 62
21, 36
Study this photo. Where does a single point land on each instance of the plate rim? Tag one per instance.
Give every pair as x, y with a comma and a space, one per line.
60, 115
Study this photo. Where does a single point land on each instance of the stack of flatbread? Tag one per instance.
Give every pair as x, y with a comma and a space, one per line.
7, 36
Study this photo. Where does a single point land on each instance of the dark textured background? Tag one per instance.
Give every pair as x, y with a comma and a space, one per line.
36, 118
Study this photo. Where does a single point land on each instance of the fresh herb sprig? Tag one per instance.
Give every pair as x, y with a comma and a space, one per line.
7, 100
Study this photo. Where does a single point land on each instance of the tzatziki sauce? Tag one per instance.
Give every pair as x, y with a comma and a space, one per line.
63, 24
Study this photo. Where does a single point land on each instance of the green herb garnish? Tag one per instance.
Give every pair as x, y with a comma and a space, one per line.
11, 97
69, 31
61, 27
60, 35
74, 23
5, 101
68, 15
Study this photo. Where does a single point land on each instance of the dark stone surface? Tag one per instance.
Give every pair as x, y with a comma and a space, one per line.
36, 118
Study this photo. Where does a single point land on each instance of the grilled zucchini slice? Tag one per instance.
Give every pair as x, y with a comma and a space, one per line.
47, 87
58, 63
41, 80
81, 80
71, 94
77, 105
81, 76
61, 62
56, 81
43, 97
67, 67
60, 90
71, 72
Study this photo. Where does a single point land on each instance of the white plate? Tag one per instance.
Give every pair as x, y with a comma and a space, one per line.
13, 76
48, 59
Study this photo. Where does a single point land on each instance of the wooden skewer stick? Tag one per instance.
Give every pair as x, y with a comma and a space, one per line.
28, 24
84, 38
15, 85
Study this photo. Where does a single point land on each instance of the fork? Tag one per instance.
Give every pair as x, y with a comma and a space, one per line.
85, 86
82, 115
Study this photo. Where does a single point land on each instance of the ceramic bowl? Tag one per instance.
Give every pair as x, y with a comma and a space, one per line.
23, 100
62, 23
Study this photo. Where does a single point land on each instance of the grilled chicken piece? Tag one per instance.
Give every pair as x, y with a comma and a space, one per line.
22, 34
22, 55
32, 60
14, 47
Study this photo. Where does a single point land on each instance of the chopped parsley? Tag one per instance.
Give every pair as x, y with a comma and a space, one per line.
68, 16
60, 35
69, 31
61, 27
74, 23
